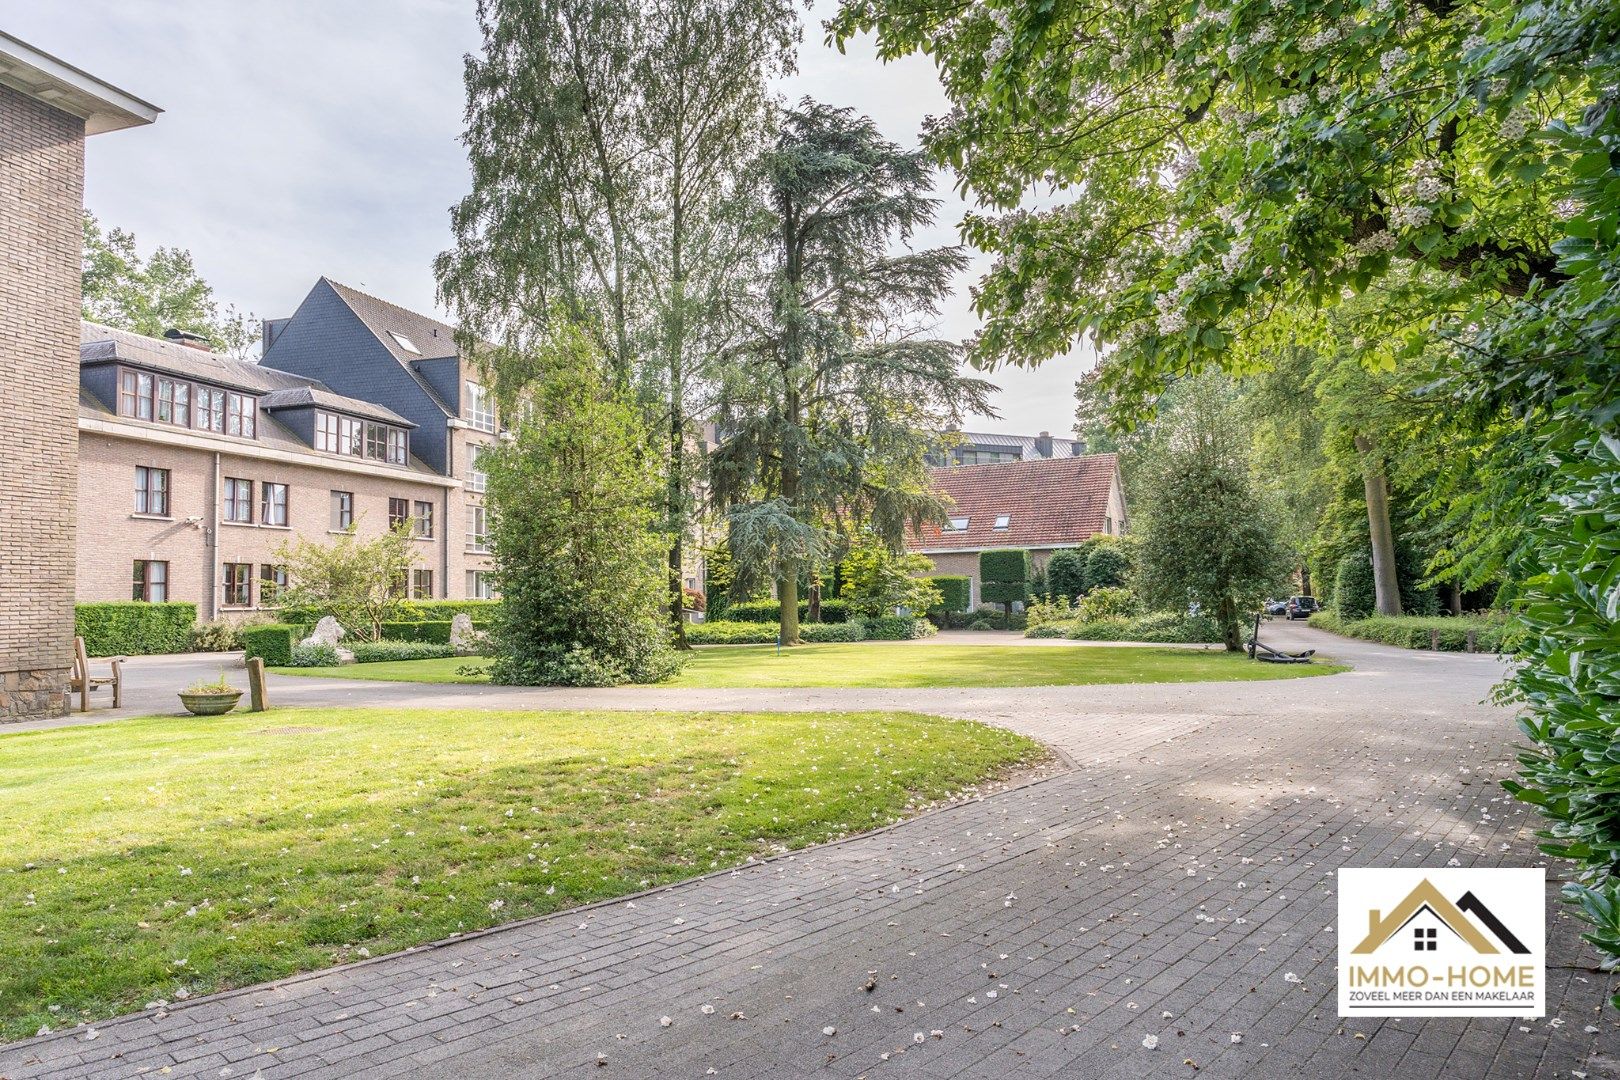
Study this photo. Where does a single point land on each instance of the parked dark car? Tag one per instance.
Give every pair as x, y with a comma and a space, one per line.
1302, 607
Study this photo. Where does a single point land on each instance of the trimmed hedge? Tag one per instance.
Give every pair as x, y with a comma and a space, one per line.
410, 611
1354, 591
955, 590
272, 642
1004, 564
1159, 627
1414, 631
723, 632
1004, 592
371, 652
833, 610
134, 627
432, 631
897, 628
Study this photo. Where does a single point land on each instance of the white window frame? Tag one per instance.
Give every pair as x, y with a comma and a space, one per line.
480, 408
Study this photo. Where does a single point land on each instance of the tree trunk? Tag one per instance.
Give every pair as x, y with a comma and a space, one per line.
788, 592
814, 612
1386, 587
1231, 633
1305, 580
1454, 598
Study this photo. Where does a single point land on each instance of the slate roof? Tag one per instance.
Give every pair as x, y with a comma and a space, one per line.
100, 344
305, 397
435, 339
1051, 502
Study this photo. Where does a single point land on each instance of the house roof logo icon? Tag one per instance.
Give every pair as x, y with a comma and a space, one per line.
1425, 897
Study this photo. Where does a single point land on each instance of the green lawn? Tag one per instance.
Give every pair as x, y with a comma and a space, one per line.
167, 856
891, 664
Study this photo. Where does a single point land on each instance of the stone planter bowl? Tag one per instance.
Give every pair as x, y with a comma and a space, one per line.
210, 704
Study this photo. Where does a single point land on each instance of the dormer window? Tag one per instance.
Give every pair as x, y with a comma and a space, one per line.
957, 524
404, 342
350, 437
163, 399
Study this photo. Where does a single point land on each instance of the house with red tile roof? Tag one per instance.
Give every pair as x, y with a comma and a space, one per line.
1041, 505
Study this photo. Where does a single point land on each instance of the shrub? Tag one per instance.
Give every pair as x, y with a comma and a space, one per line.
134, 627
897, 628
1000, 618
1004, 564
1107, 564
1066, 573
1174, 627
982, 623
1354, 594
1044, 612
833, 610
693, 600
1115, 629
432, 631
271, 642
221, 685
1105, 602
371, 652
1048, 630
318, 654
218, 636
1420, 631
955, 591
722, 632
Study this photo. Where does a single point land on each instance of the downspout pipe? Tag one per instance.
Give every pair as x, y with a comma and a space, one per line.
213, 545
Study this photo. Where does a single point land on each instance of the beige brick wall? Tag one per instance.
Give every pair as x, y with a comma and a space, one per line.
462, 559
967, 563
41, 195
112, 536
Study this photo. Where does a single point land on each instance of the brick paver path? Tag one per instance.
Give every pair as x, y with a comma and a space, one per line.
1177, 882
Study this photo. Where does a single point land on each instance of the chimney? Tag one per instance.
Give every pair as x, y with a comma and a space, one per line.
269, 330
1043, 444
185, 337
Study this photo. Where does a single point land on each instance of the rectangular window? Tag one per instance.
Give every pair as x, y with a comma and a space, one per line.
240, 410
151, 581
210, 409
238, 584
376, 442
397, 451
166, 403
143, 396
477, 479
422, 520
342, 509
480, 585
351, 436
273, 503
151, 491
421, 584
238, 500
127, 392
399, 512
477, 529
326, 433
272, 579
480, 408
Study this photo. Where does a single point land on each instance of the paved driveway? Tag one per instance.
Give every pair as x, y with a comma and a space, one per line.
1177, 882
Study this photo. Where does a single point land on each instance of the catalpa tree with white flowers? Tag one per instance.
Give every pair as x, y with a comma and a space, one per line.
1205, 173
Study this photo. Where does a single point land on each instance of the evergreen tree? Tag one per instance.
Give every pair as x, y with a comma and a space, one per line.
827, 416
573, 529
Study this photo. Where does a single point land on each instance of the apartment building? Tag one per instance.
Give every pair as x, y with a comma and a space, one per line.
368, 349
47, 109
194, 468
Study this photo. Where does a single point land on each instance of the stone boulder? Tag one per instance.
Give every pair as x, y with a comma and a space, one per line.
466, 640
329, 632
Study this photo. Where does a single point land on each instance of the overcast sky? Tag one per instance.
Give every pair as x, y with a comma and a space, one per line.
305, 137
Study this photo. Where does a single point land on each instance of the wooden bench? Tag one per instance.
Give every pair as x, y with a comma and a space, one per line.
84, 682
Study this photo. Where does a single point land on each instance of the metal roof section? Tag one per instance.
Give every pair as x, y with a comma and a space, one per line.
57, 83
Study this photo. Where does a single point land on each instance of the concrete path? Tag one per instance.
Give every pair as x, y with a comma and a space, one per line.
1177, 882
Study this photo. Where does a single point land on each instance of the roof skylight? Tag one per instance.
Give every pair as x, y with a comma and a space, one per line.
958, 524
404, 342
1003, 520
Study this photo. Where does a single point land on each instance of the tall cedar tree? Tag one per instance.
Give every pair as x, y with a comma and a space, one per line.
608, 142
828, 414
573, 528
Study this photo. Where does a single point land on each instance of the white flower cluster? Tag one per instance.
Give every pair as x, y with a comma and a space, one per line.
1294, 105
1472, 42
1236, 254
1517, 122
1393, 59
1564, 209
1320, 40
1411, 217
1382, 240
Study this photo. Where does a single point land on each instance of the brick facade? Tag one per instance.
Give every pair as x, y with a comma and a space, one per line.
41, 195
112, 535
